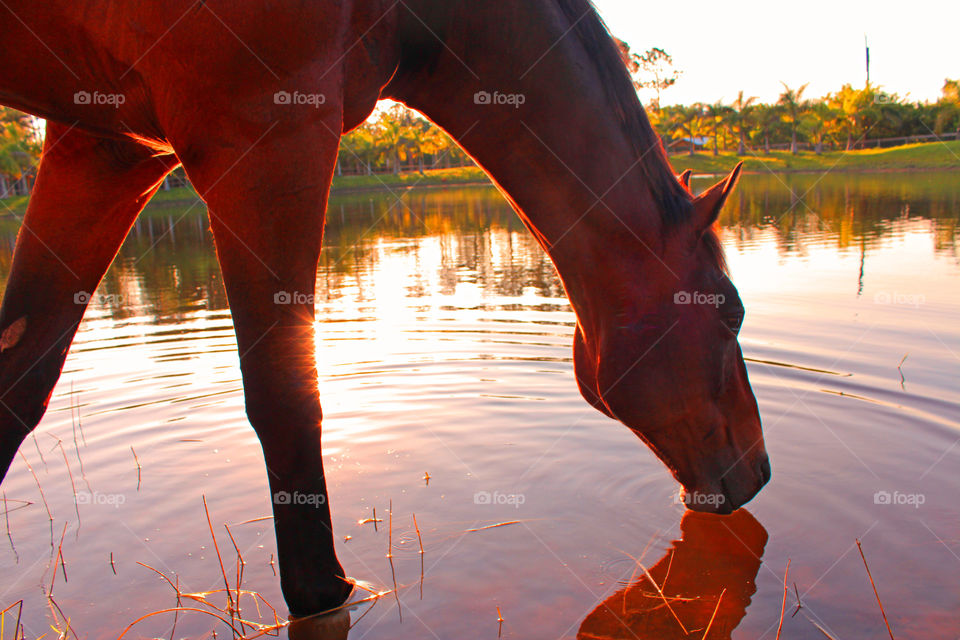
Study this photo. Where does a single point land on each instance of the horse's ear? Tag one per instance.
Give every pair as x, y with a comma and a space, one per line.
684, 179
708, 204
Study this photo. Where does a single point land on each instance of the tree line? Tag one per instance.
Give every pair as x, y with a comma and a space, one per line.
397, 139
840, 120
845, 119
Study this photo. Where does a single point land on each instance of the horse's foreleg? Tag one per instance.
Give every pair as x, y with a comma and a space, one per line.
266, 202
87, 194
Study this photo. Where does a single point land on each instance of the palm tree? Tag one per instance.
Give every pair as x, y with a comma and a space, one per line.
793, 107
818, 117
690, 121
948, 107
854, 106
767, 117
739, 117
716, 115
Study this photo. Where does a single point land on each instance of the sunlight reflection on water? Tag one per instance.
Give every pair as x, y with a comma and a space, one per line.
444, 347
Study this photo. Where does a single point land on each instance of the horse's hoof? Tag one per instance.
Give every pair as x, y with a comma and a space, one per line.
335, 624
331, 626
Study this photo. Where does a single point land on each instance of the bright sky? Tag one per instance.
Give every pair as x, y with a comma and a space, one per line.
753, 45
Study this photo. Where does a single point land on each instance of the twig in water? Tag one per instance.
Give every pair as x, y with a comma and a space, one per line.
374, 520
73, 485
37, 480
783, 606
64, 633
6, 516
273, 566
79, 421
16, 627
819, 628
420, 540
40, 453
663, 597
499, 623
42, 497
76, 446
899, 368
390, 532
665, 576
799, 604
113, 566
176, 614
62, 563
872, 584
240, 566
216, 548
137, 460
493, 526
393, 572
710, 624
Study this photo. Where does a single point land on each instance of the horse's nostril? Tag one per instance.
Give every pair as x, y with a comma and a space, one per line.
765, 470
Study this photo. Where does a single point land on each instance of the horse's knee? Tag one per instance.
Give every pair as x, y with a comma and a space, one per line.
26, 392
26, 384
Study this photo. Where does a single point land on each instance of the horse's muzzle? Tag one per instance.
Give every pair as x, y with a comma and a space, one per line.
732, 490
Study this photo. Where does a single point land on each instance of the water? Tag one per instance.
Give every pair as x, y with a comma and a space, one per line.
445, 349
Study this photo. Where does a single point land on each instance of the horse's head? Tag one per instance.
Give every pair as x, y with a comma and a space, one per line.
667, 364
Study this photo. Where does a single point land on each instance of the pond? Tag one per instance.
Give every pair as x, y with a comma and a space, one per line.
444, 343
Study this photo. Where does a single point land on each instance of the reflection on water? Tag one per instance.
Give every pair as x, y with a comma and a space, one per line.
444, 348
704, 580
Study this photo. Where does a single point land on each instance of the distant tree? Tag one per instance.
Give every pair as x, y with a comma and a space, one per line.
691, 122
818, 116
793, 106
652, 69
854, 105
20, 145
739, 117
948, 108
716, 115
768, 123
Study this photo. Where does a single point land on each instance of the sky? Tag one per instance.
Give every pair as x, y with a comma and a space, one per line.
723, 47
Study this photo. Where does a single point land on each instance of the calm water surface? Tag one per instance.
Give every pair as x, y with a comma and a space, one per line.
444, 348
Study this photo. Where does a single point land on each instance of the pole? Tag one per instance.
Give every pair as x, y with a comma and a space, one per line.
867, 47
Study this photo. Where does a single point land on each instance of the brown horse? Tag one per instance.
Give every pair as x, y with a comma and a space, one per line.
252, 96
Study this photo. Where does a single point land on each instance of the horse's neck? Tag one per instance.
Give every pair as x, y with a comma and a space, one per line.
561, 156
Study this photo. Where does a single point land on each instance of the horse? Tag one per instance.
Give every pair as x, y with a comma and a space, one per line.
252, 97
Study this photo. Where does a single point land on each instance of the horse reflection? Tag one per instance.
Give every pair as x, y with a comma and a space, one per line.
334, 626
715, 553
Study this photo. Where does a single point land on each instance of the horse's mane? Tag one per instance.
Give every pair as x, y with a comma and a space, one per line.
674, 201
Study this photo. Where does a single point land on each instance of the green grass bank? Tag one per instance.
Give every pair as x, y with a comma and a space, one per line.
915, 157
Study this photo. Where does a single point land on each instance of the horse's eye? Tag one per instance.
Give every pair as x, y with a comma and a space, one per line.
733, 319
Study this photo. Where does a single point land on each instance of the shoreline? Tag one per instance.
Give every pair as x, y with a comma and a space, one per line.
917, 158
